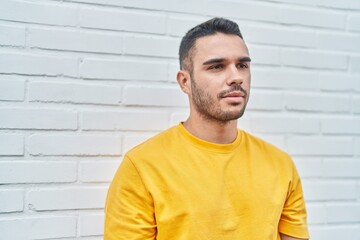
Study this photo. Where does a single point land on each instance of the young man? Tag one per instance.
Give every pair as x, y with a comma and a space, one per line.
204, 178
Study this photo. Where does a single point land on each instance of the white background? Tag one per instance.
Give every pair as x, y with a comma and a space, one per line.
83, 81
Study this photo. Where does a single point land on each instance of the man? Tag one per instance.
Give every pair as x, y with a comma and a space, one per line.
204, 178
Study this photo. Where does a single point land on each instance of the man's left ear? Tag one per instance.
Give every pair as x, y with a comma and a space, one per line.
183, 79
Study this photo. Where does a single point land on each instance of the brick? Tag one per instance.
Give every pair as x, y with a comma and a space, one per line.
244, 10
313, 59
159, 4
131, 141
317, 102
168, 5
312, 17
342, 168
72, 40
345, 4
354, 22
278, 36
154, 96
145, 121
12, 90
330, 41
91, 225
75, 93
124, 70
67, 198
329, 190
309, 145
97, 171
357, 146
78, 145
37, 172
297, 2
264, 55
186, 6
341, 125
244, 123
355, 83
178, 26
11, 144
80, 238
309, 167
265, 100
12, 36
284, 124
330, 82
122, 20
355, 64
31, 12
178, 117
335, 232
316, 213
173, 69
32, 118
37, 64
355, 103
284, 79
11, 200
151, 46
87, 238
38, 227
343, 213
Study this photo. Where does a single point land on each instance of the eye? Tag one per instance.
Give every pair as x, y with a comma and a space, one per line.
242, 65
216, 67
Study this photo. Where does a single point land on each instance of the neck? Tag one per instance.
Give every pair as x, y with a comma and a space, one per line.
212, 131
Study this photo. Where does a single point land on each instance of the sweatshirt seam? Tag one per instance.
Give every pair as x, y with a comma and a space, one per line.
234, 148
141, 178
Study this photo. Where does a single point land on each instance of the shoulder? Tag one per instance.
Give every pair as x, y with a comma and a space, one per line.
154, 145
266, 150
257, 142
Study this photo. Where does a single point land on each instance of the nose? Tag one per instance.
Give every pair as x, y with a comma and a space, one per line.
235, 76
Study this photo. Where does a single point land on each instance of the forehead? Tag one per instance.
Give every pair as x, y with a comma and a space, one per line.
219, 45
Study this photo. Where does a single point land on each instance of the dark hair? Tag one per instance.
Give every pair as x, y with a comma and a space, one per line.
207, 28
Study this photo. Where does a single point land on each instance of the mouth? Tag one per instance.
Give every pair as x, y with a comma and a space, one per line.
234, 94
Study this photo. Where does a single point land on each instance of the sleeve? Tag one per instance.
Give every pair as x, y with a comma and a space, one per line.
129, 210
293, 218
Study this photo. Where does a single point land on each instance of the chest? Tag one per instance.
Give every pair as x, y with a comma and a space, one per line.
226, 192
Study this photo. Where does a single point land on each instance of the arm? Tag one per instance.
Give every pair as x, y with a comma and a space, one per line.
129, 210
286, 237
293, 220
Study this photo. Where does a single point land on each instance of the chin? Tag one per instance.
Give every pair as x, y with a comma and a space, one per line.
236, 113
229, 116
239, 114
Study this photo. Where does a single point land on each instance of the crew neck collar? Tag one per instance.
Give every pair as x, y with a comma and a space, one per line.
210, 146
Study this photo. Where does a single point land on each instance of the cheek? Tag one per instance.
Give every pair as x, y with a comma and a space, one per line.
208, 83
247, 81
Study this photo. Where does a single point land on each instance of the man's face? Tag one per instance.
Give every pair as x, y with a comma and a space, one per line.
220, 80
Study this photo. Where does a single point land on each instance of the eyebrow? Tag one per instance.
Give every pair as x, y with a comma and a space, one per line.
219, 60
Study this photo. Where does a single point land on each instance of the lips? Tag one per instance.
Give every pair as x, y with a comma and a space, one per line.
234, 94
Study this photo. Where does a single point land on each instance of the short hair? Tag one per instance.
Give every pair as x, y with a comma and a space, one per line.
210, 27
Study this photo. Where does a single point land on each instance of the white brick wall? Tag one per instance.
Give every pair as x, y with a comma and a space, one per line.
83, 81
